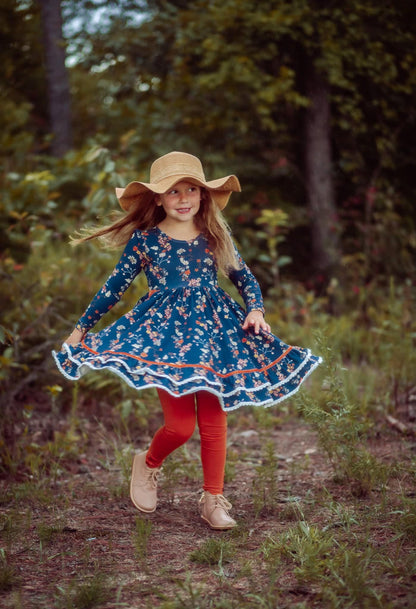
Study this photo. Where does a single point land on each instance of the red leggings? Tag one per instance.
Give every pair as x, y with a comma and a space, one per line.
180, 418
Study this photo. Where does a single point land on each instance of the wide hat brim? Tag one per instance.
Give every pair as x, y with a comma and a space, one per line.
170, 169
220, 189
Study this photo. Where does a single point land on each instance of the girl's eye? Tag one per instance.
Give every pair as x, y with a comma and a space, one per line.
174, 191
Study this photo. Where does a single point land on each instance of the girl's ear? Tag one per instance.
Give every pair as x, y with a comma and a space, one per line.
158, 201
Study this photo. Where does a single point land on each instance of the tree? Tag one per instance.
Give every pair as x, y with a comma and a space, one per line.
57, 77
319, 172
240, 75
309, 102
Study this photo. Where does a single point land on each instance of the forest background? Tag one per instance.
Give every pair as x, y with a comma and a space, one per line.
311, 103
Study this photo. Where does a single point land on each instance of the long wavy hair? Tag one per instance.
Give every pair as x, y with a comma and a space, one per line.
146, 215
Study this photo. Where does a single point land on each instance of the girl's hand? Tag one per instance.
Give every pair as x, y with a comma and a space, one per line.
75, 337
256, 321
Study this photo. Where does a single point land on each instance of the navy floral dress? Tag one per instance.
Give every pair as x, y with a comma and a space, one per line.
185, 334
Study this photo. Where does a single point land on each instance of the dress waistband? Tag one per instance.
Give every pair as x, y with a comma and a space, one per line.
182, 286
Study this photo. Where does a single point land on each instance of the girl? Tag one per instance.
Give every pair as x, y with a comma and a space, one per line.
186, 336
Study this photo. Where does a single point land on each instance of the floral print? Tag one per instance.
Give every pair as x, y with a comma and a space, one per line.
186, 334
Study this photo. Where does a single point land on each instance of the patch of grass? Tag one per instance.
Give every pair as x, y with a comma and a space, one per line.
84, 594
267, 419
308, 546
33, 493
46, 460
213, 552
341, 427
189, 595
349, 579
91, 594
179, 465
343, 516
392, 342
15, 525
265, 484
265, 597
123, 459
291, 510
8, 576
141, 537
343, 575
406, 520
232, 459
48, 533
365, 472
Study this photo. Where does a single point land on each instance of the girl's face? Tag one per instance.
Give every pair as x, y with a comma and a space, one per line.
181, 203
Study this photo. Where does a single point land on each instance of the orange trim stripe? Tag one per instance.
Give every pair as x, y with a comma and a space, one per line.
141, 359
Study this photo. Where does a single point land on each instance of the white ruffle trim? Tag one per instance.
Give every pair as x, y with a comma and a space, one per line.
85, 366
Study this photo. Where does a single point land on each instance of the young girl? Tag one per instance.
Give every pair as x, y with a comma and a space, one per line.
186, 336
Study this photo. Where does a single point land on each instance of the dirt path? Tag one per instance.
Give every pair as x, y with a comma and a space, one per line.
67, 535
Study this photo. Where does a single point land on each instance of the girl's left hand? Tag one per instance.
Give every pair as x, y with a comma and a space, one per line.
75, 337
256, 321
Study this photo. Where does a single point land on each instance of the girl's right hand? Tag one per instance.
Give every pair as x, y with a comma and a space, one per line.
75, 337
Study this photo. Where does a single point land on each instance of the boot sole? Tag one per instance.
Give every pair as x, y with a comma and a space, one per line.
141, 508
225, 528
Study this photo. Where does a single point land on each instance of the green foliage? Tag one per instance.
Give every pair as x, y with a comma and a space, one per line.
274, 223
179, 465
239, 70
141, 537
213, 552
45, 285
47, 533
8, 576
308, 546
22, 84
84, 594
189, 596
344, 576
380, 237
232, 459
406, 521
265, 484
341, 426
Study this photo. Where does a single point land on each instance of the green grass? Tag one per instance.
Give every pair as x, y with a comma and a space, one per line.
8, 573
213, 552
265, 484
84, 594
141, 537
180, 466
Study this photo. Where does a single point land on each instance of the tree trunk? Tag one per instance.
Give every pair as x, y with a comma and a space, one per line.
57, 77
318, 173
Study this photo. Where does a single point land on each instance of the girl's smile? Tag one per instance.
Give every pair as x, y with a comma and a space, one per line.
181, 203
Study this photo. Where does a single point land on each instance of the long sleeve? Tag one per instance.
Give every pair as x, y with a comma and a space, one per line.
128, 267
247, 286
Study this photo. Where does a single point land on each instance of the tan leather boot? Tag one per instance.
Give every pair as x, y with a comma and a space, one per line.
214, 510
143, 484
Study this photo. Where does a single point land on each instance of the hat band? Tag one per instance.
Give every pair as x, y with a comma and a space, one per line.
179, 170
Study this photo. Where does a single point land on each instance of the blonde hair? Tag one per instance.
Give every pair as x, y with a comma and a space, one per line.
146, 215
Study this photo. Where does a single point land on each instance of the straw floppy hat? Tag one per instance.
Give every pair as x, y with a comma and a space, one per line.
170, 169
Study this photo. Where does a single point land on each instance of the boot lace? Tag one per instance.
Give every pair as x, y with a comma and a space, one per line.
219, 501
153, 474
222, 502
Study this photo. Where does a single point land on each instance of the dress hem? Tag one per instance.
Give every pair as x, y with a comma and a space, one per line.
220, 395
